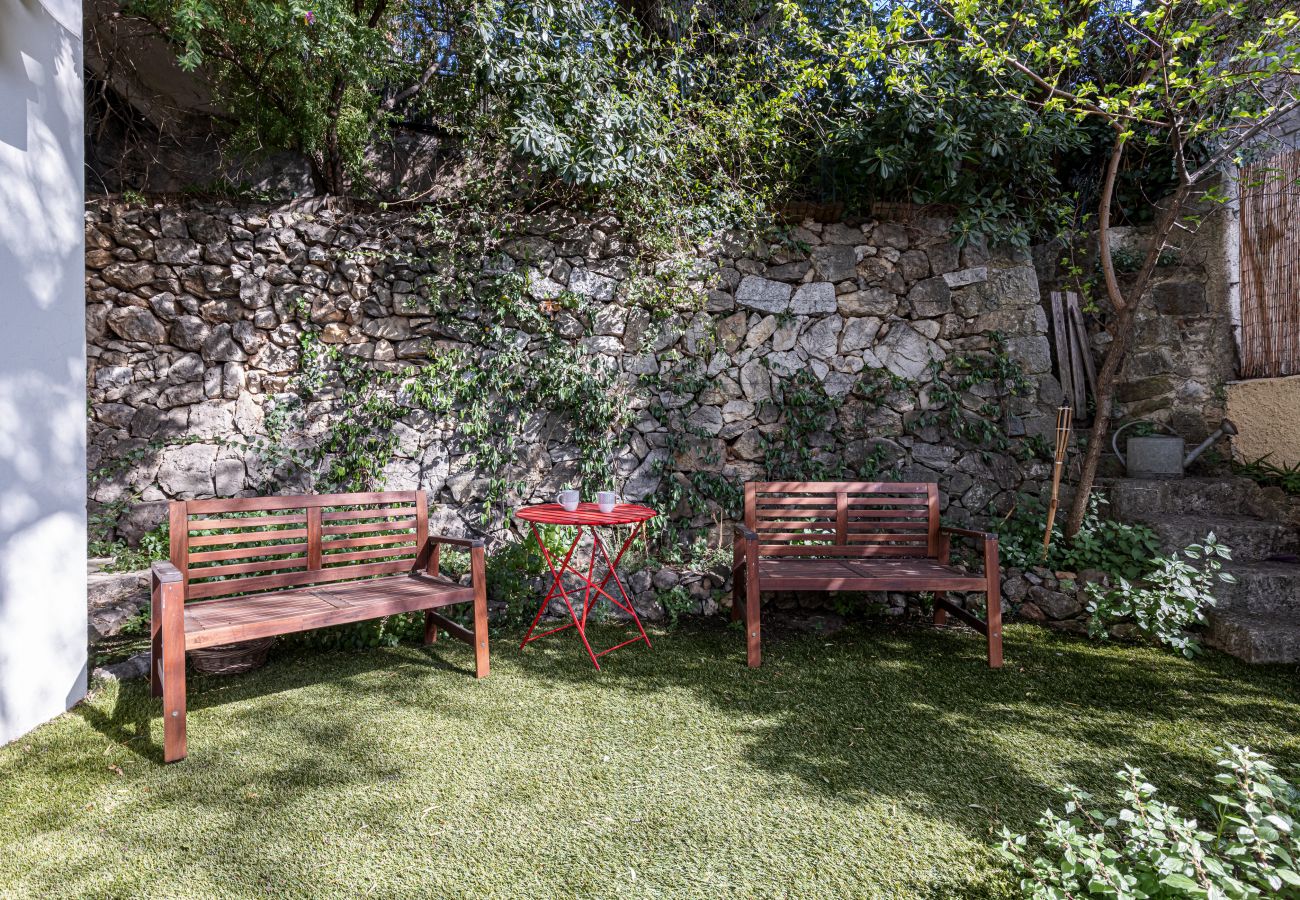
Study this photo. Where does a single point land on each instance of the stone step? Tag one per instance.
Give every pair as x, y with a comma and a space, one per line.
1150, 500
1261, 588
1248, 538
1257, 638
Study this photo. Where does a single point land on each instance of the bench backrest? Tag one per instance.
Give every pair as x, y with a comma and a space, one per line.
254, 544
843, 518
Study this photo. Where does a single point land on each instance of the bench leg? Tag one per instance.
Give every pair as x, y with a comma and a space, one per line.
478, 574
737, 593
753, 627
940, 614
993, 616
155, 641
173, 678
430, 628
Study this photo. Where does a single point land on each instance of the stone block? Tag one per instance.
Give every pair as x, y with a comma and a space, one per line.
763, 294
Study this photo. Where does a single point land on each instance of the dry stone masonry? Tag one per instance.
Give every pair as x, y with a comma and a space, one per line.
195, 316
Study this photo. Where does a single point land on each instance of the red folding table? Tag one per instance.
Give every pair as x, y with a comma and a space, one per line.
587, 517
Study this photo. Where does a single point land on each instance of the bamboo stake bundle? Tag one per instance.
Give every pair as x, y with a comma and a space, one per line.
1064, 419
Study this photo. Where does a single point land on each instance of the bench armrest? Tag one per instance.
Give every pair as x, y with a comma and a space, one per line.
992, 568
467, 543
165, 573
967, 532
746, 534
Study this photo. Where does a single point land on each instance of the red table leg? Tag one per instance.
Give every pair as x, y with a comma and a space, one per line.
592, 591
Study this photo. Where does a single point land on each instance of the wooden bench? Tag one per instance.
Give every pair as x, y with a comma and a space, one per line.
252, 568
855, 536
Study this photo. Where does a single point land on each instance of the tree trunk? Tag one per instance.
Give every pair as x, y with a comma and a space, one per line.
333, 154
1106, 381
1120, 331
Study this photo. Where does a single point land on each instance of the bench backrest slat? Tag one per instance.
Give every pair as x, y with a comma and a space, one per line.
250, 544
844, 518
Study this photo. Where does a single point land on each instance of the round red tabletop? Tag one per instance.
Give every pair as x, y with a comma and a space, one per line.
585, 514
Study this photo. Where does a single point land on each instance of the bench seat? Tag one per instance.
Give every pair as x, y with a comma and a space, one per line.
862, 575
209, 622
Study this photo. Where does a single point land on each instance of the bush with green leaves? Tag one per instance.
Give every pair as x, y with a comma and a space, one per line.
1168, 600
1119, 549
1245, 846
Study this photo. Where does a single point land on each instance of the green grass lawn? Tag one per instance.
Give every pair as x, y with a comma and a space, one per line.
878, 762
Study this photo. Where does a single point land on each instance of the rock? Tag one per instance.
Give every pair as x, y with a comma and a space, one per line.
931, 298
761, 331
589, 284
755, 382
176, 251
907, 353
834, 262
189, 332
859, 334
973, 275
135, 323
814, 298
136, 666
870, 302
187, 470
1055, 605
822, 338
707, 419
644, 481
221, 346
763, 294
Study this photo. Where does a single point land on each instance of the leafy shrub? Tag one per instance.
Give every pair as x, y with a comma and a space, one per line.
1116, 548
155, 545
1269, 474
1248, 847
1169, 598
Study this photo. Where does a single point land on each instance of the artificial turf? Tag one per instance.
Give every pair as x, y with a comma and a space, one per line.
877, 762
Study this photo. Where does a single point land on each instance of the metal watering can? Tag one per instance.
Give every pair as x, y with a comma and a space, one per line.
1161, 455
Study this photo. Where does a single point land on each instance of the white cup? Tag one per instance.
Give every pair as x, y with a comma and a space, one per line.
606, 500
568, 499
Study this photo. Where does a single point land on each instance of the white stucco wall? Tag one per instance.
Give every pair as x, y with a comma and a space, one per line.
42, 365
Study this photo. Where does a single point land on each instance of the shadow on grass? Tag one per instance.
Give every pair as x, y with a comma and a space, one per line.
905, 721
914, 713
136, 715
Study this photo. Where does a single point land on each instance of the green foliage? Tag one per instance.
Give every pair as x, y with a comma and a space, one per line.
1271, 474
970, 397
1246, 846
295, 75
154, 546
1170, 598
677, 601
1121, 550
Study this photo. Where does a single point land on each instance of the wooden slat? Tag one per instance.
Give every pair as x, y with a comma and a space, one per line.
364, 514
293, 579
1061, 340
350, 543
266, 565
851, 551
313, 538
403, 525
833, 487
247, 552
247, 537
299, 501
331, 559
250, 522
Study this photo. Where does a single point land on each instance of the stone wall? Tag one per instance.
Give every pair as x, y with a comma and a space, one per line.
1183, 350
194, 317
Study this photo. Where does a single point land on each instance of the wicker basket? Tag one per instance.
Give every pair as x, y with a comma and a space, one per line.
231, 659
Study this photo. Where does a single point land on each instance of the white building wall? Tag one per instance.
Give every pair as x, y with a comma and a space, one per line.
42, 365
